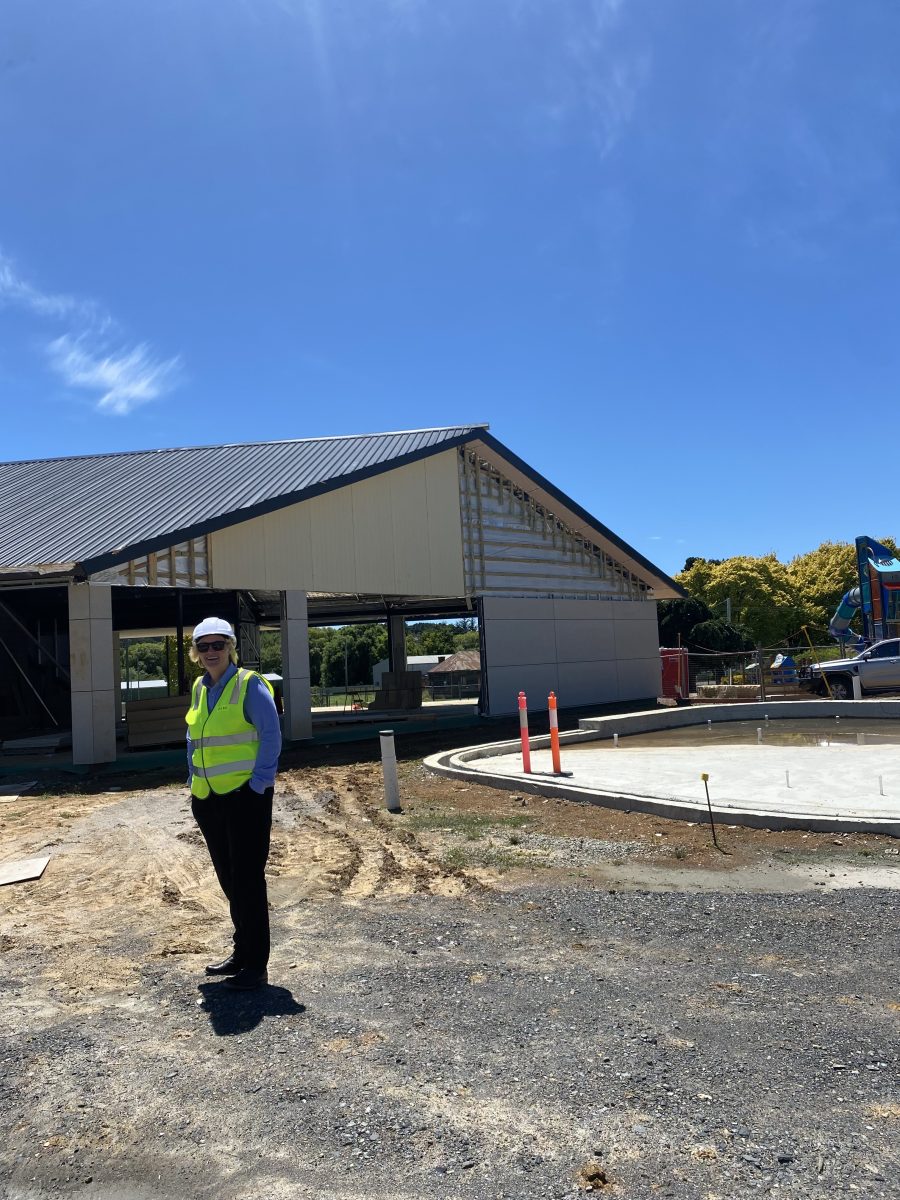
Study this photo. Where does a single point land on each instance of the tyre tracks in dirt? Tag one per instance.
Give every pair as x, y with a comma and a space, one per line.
331, 825
130, 879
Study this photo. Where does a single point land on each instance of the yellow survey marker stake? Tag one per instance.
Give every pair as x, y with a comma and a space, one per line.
705, 777
816, 661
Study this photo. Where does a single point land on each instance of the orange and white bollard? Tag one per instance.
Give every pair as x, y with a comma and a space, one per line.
554, 734
523, 730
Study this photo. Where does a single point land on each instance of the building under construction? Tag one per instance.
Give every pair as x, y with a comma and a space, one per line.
433, 523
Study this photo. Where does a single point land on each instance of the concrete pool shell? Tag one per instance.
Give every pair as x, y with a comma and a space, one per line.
835, 788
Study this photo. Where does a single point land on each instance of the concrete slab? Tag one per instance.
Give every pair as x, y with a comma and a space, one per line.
834, 787
23, 870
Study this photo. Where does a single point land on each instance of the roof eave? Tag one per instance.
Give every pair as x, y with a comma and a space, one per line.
44, 572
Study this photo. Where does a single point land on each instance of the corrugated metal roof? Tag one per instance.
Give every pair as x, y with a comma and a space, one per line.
462, 660
89, 510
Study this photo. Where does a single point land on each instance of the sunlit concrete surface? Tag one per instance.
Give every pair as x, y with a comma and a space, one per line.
824, 787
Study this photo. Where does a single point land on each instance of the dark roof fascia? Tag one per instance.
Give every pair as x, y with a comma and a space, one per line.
103, 562
489, 440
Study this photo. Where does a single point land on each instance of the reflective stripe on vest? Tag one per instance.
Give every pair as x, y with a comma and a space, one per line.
224, 744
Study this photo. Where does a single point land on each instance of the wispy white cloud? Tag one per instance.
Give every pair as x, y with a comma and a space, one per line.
125, 379
14, 290
596, 80
121, 377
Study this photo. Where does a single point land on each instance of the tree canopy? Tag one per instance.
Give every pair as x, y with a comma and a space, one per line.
770, 600
690, 623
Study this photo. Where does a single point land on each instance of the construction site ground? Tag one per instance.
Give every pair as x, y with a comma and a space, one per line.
486, 995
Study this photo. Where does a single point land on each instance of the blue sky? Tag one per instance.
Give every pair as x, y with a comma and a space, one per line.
654, 243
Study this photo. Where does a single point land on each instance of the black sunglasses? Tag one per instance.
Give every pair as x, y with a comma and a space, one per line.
204, 646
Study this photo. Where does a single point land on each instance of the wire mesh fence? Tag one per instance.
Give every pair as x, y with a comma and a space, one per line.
355, 699
767, 673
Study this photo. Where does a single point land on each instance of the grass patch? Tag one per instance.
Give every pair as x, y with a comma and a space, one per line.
494, 857
469, 825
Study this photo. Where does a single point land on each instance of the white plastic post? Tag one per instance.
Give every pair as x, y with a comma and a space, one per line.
857, 687
389, 770
787, 778
759, 735
616, 740
880, 785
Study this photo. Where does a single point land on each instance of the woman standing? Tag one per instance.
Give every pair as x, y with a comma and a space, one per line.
233, 744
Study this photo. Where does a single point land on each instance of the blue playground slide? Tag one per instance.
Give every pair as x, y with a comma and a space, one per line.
876, 599
839, 625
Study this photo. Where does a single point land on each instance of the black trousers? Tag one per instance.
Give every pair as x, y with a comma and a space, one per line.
237, 828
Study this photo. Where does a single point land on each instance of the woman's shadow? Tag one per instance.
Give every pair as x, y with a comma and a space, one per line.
232, 1012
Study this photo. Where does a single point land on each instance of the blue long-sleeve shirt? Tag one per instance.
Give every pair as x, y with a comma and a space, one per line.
261, 713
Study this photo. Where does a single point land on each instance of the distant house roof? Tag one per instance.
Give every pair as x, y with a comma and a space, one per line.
97, 510
462, 660
413, 660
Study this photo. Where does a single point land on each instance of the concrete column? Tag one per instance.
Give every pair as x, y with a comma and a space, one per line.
397, 643
95, 705
295, 667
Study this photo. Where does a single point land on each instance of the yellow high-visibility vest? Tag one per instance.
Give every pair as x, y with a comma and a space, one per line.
224, 744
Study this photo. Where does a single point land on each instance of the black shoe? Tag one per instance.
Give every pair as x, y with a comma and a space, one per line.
248, 979
230, 966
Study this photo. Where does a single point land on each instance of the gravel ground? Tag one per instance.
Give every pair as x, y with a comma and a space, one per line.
464, 1037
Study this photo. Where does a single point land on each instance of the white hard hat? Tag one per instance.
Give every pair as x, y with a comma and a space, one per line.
213, 625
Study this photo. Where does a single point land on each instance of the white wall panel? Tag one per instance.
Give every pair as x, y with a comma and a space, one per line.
580, 641
409, 512
94, 695
333, 540
587, 651
238, 556
517, 642
596, 610
397, 533
635, 639
583, 683
537, 682
288, 540
373, 536
519, 608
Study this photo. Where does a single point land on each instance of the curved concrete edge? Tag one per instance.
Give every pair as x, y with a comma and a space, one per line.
450, 763
654, 719
453, 763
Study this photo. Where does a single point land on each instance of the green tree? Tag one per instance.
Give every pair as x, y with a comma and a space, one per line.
146, 660
357, 646
468, 640
270, 652
820, 577
689, 622
318, 640
764, 601
191, 669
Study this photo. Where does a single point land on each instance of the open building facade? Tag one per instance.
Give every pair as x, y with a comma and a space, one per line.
435, 523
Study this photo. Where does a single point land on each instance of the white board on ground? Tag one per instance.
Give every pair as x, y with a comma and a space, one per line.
23, 869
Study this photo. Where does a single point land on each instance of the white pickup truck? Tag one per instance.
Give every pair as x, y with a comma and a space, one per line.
878, 669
